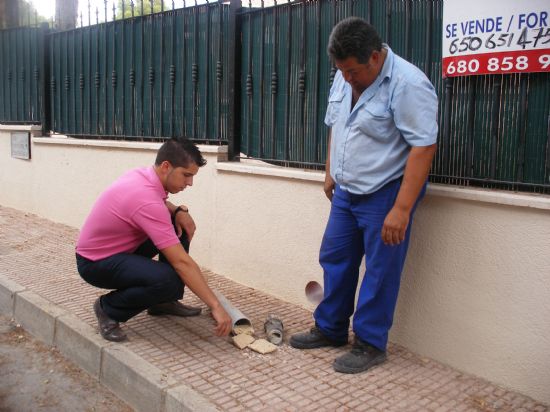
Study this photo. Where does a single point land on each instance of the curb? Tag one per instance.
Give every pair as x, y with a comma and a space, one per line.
134, 380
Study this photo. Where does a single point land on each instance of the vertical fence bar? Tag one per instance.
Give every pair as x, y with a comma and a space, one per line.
233, 70
495, 124
219, 71
52, 84
33, 64
89, 72
287, 89
207, 73
184, 69
81, 77
122, 122
67, 88
19, 54
73, 76
195, 71
274, 79
389, 8
45, 108
408, 26
302, 84
132, 73
522, 124
172, 69
141, 118
317, 80
28, 73
429, 41
10, 74
249, 85
151, 74
97, 74
447, 124
105, 72
333, 68
113, 74
261, 113
161, 74
470, 137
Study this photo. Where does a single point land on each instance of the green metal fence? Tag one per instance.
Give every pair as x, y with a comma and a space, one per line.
23, 73
286, 74
257, 79
156, 76
494, 130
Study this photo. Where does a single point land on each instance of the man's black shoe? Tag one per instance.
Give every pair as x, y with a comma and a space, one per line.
362, 356
312, 339
173, 308
109, 328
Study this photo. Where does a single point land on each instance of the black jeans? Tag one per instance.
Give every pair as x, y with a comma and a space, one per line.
139, 282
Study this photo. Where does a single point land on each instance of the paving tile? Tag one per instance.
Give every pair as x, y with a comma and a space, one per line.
233, 380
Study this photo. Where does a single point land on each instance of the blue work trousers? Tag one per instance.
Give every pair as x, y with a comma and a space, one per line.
139, 282
354, 230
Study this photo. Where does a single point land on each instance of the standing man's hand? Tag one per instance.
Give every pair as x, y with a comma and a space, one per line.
223, 321
329, 186
184, 222
395, 226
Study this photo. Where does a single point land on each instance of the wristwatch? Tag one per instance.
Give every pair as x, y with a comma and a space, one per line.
180, 209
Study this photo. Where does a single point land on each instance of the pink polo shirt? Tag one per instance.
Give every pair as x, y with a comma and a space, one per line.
128, 212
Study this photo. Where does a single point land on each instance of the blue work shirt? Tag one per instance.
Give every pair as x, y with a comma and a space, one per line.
370, 143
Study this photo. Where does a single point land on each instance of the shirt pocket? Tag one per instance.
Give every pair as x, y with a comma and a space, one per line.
335, 107
376, 120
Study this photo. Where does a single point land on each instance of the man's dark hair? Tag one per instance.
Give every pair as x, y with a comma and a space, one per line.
180, 152
353, 37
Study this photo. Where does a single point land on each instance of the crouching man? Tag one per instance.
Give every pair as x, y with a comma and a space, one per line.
130, 223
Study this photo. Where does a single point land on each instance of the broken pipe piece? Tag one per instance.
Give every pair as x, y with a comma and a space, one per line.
274, 329
240, 323
314, 292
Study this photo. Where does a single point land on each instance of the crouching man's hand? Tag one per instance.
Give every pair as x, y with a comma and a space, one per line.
223, 320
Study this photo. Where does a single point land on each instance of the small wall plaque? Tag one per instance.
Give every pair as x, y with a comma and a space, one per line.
21, 145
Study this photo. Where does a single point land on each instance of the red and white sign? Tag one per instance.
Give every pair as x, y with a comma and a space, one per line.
508, 36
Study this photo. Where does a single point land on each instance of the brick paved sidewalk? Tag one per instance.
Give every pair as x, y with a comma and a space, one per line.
39, 255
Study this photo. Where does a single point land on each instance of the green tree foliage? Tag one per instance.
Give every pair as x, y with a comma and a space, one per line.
18, 13
139, 5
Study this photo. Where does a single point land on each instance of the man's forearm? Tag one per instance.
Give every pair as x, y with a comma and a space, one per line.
416, 173
190, 274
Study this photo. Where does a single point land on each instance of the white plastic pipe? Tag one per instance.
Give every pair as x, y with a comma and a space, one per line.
237, 317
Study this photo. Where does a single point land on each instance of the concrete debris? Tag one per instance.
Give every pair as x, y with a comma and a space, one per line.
262, 346
242, 340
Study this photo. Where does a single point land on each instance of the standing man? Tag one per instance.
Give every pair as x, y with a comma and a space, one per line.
382, 115
129, 224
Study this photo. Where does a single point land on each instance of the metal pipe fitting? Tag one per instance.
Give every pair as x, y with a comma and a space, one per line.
274, 329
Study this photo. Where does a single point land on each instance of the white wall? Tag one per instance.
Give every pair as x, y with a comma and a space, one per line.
475, 292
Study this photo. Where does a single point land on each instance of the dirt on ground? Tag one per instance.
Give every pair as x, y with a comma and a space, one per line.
35, 377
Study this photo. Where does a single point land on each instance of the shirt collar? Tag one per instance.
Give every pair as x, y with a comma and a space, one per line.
155, 181
385, 72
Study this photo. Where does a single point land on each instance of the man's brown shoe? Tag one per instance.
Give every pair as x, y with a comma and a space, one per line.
109, 328
173, 308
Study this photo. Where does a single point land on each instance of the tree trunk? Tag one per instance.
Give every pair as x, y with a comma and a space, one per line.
9, 13
65, 14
